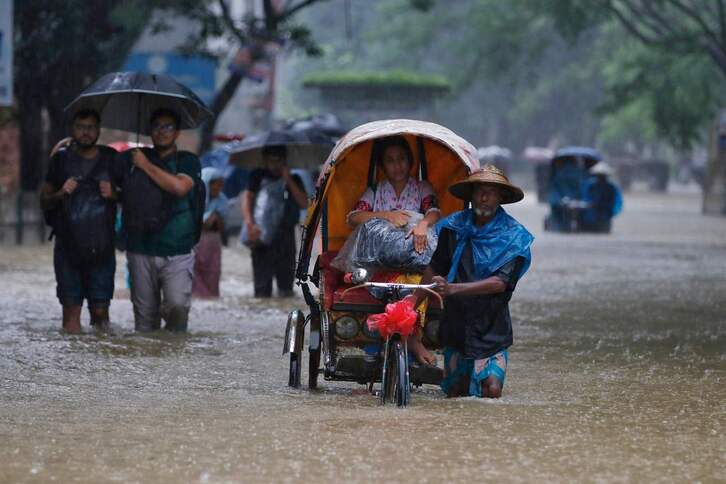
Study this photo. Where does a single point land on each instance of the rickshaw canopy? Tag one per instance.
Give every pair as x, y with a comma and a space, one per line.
569, 169
441, 157
578, 152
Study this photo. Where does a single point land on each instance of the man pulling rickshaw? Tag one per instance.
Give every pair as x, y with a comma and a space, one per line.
482, 252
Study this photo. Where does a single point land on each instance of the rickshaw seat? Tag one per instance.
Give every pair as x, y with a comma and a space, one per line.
334, 286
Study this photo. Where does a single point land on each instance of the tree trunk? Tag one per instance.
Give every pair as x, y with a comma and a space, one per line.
221, 100
31, 144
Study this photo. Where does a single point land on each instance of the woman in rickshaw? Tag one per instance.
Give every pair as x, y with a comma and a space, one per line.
391, 198
398, 192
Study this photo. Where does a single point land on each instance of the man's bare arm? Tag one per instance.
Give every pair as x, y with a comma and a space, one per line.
490, 285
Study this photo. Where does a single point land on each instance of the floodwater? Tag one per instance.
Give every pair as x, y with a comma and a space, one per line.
618, 374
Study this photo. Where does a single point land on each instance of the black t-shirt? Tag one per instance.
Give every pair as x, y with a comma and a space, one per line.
292, 210
479, 325
66, 163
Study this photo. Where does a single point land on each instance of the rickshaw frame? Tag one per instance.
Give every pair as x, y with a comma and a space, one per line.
322, 339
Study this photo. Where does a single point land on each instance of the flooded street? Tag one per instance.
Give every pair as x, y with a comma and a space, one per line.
617, 374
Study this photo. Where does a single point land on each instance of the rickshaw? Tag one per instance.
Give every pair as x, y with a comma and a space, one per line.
337, 310
568, 169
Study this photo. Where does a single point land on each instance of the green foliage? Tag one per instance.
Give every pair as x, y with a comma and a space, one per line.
679, 94
59, 48
397, 78
534, 71
671, 70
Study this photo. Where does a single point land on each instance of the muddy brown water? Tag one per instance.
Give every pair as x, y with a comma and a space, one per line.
618, 374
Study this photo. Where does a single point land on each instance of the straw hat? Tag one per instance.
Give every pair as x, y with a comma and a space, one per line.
488, 175
601, 168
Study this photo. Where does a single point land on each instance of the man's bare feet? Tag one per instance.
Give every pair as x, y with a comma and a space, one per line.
72, 319
72, 327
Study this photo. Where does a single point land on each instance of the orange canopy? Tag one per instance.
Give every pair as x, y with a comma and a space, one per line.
344, 176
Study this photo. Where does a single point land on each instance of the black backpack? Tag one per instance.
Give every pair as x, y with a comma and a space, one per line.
85, 222
147, 208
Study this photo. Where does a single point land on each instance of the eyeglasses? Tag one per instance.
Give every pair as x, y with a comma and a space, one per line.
163, 128
85, 127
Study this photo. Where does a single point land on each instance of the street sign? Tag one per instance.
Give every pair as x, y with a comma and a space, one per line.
6, 52
195, 72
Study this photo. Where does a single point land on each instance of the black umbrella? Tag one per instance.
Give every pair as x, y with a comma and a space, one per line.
304, 149
325, 123
126, 101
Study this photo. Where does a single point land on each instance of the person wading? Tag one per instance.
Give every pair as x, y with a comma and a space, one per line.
158, 204
79, 203
272, 238
481, 254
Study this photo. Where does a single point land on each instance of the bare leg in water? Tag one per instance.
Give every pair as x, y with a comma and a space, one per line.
72, 319
99, 318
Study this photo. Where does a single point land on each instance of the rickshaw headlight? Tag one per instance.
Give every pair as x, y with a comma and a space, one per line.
346, 327
431, 331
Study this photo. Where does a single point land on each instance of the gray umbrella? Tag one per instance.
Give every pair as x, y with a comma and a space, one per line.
304, 149
126, 101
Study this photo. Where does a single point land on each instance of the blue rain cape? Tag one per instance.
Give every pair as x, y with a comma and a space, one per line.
587, 194
493, 245
219, 203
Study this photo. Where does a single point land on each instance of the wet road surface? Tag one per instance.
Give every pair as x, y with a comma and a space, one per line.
618, 374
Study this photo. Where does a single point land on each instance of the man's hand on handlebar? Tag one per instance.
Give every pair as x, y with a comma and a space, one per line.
442, 286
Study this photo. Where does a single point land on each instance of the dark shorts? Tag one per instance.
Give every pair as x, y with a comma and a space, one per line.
74, 284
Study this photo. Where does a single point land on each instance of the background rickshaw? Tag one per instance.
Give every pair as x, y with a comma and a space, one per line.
336, 322
568, 169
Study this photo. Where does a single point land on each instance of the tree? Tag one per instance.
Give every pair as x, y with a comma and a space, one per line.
515, 81
59, 48
678, 61
259, 37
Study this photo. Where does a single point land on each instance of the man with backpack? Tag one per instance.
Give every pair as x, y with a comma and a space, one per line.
161, 189
271, 206
79, 203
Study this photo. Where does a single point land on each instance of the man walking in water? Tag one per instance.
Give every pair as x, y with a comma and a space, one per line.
158, 213
481, 254
78, 175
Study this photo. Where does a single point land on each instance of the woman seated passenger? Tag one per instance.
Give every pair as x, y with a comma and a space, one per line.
396, 194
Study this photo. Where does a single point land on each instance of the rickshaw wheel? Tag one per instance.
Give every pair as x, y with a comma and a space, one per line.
314, 350
396, 385
313, 367
295, 371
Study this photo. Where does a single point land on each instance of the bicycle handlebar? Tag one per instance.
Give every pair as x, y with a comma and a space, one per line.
394, 285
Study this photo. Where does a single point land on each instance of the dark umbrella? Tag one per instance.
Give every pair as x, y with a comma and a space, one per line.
326, 123
304, 149
126, 101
